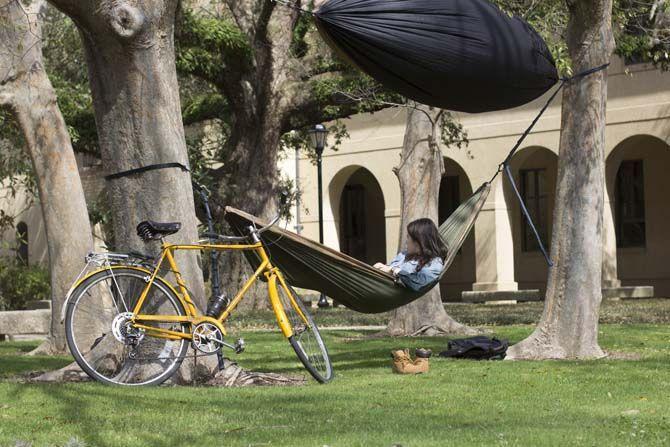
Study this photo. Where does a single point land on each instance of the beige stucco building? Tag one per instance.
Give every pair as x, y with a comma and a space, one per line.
28, 239
362, 195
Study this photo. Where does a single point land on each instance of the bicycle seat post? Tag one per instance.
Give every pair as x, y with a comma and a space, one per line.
254, 234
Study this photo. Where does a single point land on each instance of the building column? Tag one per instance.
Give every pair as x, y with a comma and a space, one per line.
610, 276
494, 246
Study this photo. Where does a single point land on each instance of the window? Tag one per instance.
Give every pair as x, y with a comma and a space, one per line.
22, 246
629, 192
534, 194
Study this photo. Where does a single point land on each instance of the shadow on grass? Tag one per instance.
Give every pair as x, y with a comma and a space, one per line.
17, 365
79, 407
184, 414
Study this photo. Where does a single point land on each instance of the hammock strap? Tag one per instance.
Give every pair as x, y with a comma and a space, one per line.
145, 169
504, 166
508, 172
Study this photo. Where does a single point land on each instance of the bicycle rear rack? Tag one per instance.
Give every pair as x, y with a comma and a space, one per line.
94, 261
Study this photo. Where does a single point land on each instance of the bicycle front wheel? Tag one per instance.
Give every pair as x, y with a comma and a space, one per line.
306, 339
105, 343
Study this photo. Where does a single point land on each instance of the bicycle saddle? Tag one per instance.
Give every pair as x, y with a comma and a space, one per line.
149, 230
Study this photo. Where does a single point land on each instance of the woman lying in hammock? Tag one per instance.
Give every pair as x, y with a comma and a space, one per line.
421, 264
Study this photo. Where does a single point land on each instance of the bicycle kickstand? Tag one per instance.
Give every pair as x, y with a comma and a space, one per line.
221, 359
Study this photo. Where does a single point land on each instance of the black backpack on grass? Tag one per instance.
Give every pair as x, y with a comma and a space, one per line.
476, 348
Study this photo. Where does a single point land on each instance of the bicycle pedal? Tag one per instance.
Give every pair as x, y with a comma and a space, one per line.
240, 345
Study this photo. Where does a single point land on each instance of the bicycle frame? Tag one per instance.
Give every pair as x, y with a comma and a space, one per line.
192, 316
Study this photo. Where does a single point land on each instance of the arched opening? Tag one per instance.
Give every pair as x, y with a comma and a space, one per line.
455, 188
534, 170
638, 187
360, 217
22, 243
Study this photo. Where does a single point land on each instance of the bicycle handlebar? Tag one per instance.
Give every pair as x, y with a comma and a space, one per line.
205, 193
257, 231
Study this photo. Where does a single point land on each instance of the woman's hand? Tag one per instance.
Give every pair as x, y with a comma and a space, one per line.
382, 267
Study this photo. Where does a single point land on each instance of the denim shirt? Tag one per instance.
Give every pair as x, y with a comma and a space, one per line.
413, 279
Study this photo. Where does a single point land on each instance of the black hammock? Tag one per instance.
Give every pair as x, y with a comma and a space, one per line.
461, 55
353, 283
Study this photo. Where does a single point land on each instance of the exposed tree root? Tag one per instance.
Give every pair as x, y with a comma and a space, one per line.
445, 325
69, 373
537, 347
47, 347
200, 371
234, 376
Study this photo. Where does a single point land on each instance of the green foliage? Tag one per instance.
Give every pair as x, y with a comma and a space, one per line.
305, 23
76, 105
20, 283
65, 64
641, 28
206, 46
6, 220
643, 31
200, 106
452, 132
100, 213
549, 18
16, 170
204, 151
299, 139
348, 93
287, 186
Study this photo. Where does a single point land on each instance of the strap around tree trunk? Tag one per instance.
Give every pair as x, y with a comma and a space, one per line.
146, 169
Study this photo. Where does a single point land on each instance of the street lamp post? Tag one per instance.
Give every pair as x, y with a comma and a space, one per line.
318, 137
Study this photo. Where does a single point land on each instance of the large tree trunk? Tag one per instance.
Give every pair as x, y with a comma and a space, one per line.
27, 91
569, 324
248, 181
129, 49
259, 100
420, 173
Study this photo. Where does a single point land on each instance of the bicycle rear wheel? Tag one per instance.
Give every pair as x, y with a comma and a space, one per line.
306, 339
103, 341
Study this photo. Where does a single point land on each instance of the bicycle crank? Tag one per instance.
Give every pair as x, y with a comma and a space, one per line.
207, 338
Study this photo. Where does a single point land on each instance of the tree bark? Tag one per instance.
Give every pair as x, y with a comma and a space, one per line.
259, 97
420, 173
569, 324
129, 49
26, 90
249, 183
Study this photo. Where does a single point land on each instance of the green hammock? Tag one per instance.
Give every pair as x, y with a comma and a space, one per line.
352, 283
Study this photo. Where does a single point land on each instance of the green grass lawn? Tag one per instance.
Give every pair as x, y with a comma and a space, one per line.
593, 403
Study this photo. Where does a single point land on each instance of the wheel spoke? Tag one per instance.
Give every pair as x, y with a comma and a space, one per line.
306, 339
91, 313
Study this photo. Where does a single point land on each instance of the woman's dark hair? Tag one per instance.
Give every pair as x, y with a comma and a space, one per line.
427, 238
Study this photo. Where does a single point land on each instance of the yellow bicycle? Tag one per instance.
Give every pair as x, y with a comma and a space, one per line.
127, 325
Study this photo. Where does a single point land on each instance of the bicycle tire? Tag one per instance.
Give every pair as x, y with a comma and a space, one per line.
111, 367
306, 338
